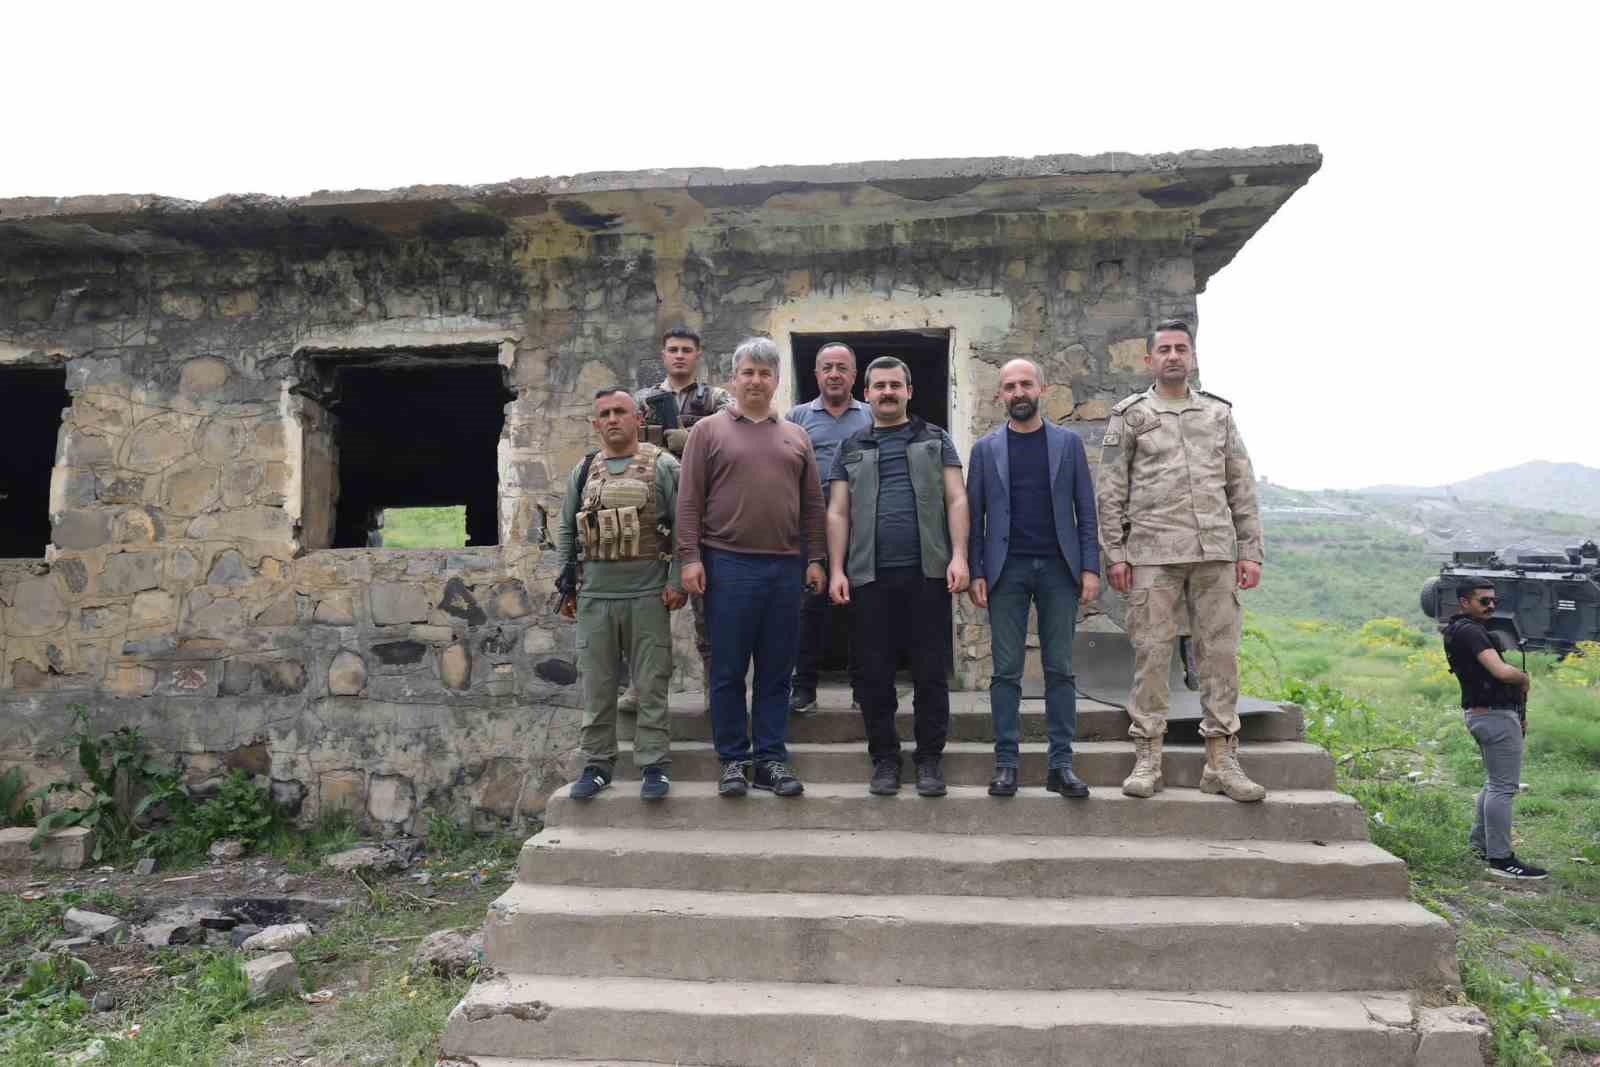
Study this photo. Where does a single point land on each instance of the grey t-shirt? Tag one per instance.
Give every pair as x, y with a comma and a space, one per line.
899, 540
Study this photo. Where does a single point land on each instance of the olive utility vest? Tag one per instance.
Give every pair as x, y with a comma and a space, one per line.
925, 459
617, 517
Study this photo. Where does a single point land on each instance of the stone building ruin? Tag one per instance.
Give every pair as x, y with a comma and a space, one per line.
204, 404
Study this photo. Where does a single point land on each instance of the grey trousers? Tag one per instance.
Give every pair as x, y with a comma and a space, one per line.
1499, 735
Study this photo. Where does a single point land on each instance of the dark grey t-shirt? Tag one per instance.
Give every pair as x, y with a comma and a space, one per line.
899, 541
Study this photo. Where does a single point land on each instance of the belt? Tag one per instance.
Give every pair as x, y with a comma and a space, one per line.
1497, 707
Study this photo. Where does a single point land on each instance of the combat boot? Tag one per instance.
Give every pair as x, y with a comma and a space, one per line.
1145, 781
1223, 773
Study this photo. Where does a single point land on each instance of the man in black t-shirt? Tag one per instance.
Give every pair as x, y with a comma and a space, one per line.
1494, 698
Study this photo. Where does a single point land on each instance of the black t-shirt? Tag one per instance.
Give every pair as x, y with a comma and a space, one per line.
1464, 638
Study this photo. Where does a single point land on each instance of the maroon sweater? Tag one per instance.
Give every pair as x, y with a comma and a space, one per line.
749, 487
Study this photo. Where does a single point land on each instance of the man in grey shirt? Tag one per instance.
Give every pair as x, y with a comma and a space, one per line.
828, 420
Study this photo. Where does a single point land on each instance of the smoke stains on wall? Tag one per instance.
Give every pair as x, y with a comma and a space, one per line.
246, 382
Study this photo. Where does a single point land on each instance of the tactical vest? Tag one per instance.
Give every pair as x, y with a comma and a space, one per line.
665, 425
925, 460
617, 513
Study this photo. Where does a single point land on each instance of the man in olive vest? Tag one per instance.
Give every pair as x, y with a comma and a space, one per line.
897, 546
617, 519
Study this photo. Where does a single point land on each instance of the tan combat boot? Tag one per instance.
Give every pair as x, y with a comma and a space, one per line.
1223, 773
1145, 781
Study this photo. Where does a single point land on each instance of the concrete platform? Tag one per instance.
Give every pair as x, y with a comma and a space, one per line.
780, 1024
836, 721
887, 862
1287, 815
68, 849
1176, 943
1275, 764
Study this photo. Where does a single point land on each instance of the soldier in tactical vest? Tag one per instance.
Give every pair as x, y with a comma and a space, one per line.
1179, 525
619, 580
897, 547
669, 411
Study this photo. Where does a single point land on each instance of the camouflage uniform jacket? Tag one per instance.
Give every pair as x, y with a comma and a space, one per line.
1175, 483
720, 398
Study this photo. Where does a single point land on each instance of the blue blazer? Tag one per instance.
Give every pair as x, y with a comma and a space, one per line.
989, 502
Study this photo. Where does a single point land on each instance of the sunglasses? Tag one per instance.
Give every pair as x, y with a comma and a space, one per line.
1487, 601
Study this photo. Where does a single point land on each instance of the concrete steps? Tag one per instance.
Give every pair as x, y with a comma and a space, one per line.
621, 1020
1169, 943
969, 721
1275, 764
891, 862
839, 928
1287, 815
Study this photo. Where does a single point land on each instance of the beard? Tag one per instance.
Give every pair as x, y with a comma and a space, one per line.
1023, 408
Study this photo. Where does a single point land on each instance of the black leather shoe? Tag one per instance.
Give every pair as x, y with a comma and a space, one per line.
930, 778
885, 778
1004, 783
1062, 780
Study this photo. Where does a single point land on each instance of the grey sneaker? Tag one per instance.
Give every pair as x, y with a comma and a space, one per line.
802, 702
885, 778
732, 783
930, 778
777, 778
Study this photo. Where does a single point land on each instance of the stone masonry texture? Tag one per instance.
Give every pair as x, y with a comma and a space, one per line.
187, 589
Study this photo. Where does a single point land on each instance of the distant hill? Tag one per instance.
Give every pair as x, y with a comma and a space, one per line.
1351, 556
1566, 487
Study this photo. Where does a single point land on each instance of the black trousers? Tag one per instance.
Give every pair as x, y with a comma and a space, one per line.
816, 610
903, 613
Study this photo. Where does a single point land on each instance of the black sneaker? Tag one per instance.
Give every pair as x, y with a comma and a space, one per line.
885, 778
777, 778
1062, 780
802, 702
1515, 869
655, 784
930, 778
732, 783
589, 784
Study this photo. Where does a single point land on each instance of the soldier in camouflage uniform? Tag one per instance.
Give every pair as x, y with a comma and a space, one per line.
1178, 522
670, 410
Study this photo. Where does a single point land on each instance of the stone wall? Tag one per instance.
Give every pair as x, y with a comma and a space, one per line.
195, 474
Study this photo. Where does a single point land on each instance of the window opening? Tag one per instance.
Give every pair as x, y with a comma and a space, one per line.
31, 402
423, 527
398, 431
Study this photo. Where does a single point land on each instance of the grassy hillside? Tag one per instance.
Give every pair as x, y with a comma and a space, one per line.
425, 527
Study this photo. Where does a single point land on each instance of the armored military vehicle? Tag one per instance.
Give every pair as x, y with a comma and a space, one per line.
1546, 602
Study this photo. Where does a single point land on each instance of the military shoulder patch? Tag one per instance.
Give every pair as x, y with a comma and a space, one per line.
1112, 439
1214, 396
1127, 402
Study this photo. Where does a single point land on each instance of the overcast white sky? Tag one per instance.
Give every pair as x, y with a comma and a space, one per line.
1444, 254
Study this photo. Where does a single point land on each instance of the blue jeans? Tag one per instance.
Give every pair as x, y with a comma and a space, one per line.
1047, 582
752, 612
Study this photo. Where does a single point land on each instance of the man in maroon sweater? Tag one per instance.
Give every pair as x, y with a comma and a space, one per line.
750, 523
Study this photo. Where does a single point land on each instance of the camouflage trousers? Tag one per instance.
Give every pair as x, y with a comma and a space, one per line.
1156, 618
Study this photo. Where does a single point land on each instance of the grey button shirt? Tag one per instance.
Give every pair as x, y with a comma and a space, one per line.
827, 431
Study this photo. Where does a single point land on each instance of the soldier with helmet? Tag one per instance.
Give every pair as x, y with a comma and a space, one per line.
617, 525
1179, 524
669, 411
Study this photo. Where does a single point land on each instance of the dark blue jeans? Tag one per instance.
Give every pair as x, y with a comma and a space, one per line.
1045, 581
752, 612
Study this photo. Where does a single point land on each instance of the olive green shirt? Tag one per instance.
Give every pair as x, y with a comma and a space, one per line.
623, 579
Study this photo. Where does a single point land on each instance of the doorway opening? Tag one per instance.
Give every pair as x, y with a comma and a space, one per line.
404, 430
927, 353
31, 402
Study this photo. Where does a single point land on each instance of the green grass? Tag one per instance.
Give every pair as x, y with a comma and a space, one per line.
1375, 698
425, 527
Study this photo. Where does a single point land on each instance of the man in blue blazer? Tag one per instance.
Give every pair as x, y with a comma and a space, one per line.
1034, 539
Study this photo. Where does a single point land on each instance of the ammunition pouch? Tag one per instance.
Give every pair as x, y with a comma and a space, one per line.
617, 518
